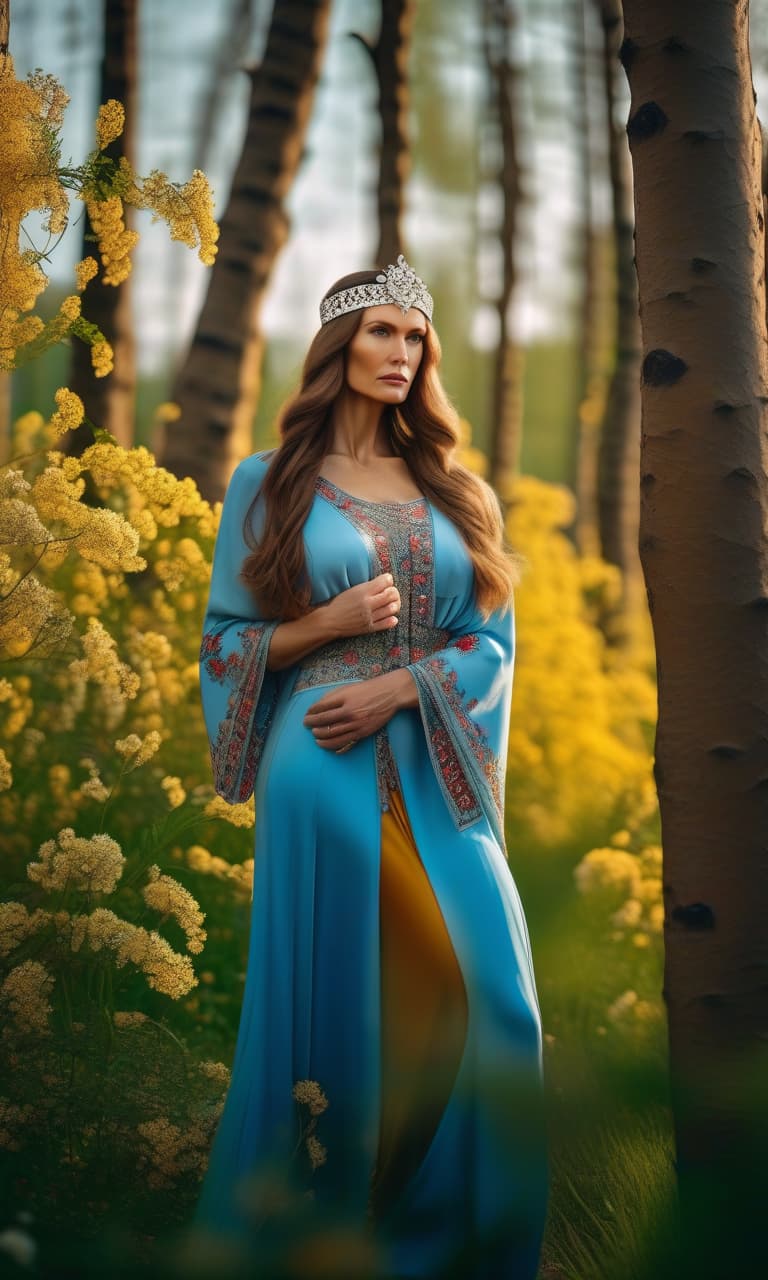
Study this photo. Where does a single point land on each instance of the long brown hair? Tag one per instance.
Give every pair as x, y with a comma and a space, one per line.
423, 430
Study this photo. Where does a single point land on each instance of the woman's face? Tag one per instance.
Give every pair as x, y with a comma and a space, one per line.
386, 351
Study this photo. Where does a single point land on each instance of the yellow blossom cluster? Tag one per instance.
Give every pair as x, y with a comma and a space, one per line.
92, 863
114, 239
128, 1018
31, 116
166, 970
29, 112
628, 885
24, 995
17, 924
101, 664
110, 122
171, 1151
629, 1007
85, 272
174, 791
6, 772
309, 1093
187, 209
217, 1071
137, 751
164, 894
70, 412
240, 874
239, 815
33, 618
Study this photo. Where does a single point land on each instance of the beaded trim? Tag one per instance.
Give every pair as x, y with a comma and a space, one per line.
239, 743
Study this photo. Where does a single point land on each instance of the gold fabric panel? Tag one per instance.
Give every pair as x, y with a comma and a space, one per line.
423, 1010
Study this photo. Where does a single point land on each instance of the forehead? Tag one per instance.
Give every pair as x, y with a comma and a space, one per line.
390, 314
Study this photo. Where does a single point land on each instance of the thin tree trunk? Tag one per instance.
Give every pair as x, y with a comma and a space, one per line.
695, 147
5, 379
581, 463
111, 401
618, 488
390, 61
507, 398
218, 385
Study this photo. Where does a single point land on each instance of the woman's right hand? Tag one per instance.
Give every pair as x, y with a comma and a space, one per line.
370, 606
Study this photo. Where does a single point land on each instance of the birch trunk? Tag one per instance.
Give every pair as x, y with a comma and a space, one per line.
618, 491
390, 62
695, 147
218, 384
110, 402
507, 392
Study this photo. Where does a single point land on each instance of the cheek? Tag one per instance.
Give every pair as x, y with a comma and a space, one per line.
361, 362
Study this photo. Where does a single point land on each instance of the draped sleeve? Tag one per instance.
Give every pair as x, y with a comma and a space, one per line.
238, 693
465, 691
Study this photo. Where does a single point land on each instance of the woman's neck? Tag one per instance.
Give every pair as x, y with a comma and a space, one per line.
359, 430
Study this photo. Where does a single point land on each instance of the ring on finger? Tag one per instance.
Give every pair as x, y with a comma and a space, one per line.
340, 750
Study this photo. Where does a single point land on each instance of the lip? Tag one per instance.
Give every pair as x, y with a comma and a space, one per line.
392, 377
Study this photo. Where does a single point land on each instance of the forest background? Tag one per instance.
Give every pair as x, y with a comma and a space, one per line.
512, 202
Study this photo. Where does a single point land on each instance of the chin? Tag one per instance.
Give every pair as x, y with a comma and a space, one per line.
398, 388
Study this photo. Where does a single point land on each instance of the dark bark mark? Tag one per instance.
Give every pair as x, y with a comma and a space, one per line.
741, 473
726, 751
662, 369
648, 542
759, 602
647, 481
697, 915
674, 45
702, 265
647, 121
677, 295
703, 135
627, 53
723, 406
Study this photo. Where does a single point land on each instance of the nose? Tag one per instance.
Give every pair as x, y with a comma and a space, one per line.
399, 352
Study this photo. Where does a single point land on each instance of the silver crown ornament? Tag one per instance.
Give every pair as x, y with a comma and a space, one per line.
398, 284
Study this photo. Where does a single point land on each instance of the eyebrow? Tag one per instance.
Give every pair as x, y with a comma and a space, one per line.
388, 325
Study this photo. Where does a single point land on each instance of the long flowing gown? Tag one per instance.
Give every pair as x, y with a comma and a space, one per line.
389, 957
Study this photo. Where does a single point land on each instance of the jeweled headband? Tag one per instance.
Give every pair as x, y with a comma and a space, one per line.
398, 284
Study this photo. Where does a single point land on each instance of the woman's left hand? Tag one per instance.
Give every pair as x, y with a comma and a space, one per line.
350, 712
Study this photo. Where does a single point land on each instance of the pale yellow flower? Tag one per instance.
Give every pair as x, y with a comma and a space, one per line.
174, 791
25, 993
110, 122
85, 272
92, 863
309, 1093
166, 895
69, 413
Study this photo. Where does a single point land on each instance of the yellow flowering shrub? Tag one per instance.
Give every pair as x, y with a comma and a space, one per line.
104, 768
32, 177
582, 711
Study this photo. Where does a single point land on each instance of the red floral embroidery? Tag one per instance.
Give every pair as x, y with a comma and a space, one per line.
466, 644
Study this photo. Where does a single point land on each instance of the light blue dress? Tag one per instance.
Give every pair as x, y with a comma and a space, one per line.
311, 1005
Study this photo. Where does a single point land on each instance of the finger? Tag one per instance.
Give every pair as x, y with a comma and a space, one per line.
332, 735
381, 581
389, 593
385, 607
323, 713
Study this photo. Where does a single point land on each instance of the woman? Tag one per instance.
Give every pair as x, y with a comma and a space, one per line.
356, 672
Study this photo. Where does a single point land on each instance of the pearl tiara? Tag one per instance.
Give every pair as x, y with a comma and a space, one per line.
398, 284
